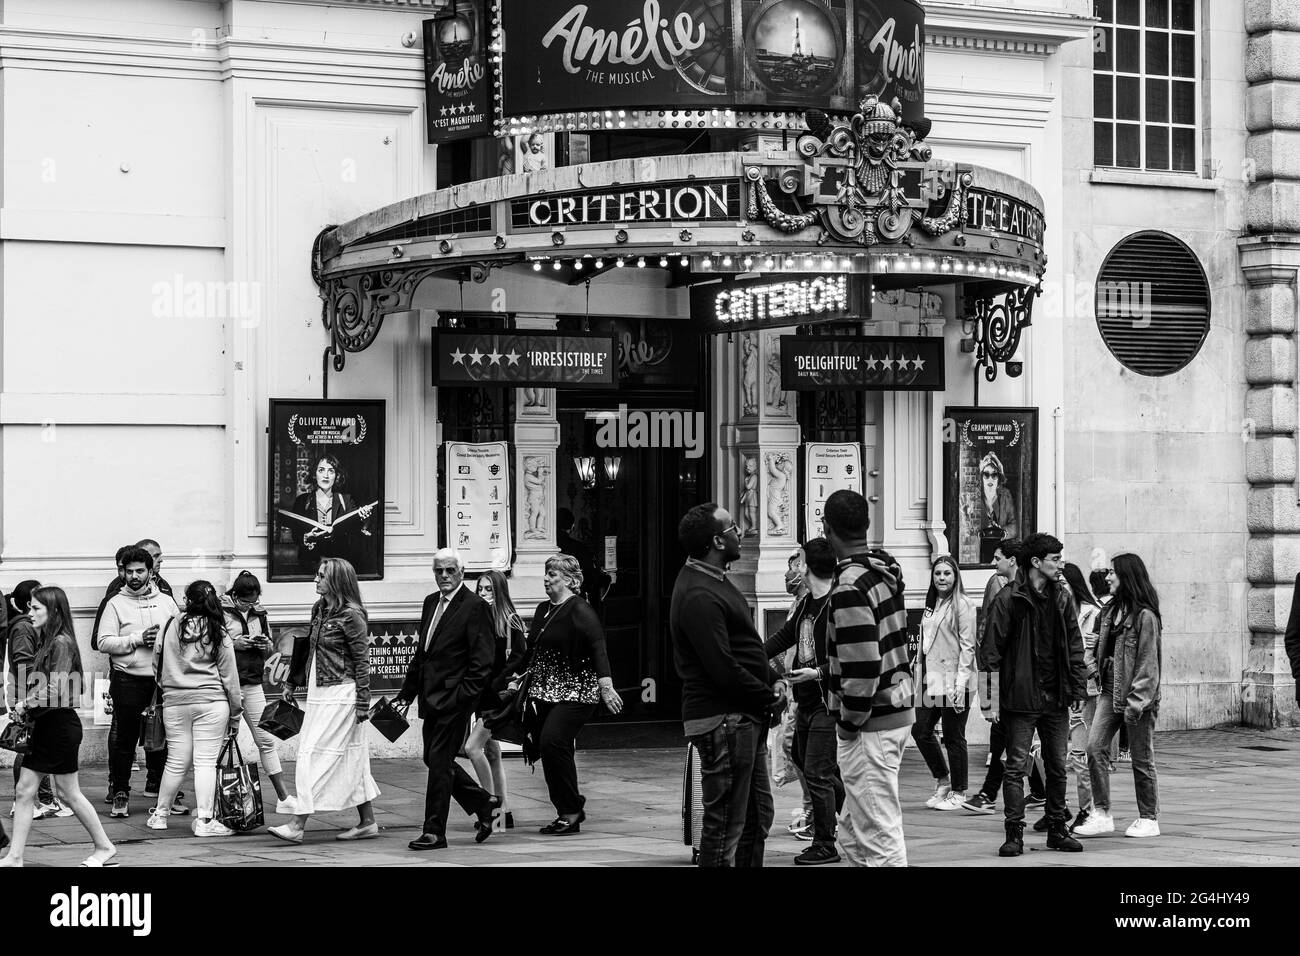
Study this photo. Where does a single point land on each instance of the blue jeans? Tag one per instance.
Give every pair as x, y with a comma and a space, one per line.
737, 792
1054, 733
815, 754
1141, 739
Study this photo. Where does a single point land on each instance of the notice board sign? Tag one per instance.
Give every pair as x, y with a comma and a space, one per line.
478, 504
828, 469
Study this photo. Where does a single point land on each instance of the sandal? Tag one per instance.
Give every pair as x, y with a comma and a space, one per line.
93, 861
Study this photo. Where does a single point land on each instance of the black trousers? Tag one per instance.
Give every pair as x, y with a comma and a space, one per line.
560, 725
997, 769
444, 735
131, 695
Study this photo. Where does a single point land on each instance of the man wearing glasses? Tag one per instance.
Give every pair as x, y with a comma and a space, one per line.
727, 692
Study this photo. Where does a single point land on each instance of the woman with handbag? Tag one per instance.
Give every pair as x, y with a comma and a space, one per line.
483, 752
943, 669
198, 683
333, 771
246, 622
54, 740
570, 678
1128, 656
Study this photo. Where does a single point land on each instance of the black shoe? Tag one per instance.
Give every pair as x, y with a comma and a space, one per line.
1033, 800
121, 805
483, 825
112, 792
1015, 844
980, 803
816, 855
510, 820
1079, 820
1043, 823
1058, 838
561, 827
427, 841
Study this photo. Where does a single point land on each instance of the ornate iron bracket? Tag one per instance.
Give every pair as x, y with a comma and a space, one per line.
999, 322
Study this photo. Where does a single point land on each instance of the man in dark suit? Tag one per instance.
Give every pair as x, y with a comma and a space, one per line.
446, 676
594, 580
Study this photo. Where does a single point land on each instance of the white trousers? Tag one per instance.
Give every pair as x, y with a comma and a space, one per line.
871, 823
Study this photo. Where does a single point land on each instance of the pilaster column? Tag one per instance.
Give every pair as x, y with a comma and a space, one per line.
1270, 260
536, 442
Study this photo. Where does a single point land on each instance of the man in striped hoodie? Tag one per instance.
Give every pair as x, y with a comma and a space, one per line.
870, 685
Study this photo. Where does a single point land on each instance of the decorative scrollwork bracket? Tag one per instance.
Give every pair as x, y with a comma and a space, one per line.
999, 323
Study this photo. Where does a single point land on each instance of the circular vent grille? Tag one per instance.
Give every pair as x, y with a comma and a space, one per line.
1153, 304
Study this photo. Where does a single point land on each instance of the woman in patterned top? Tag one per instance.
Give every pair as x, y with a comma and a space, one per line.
566, 654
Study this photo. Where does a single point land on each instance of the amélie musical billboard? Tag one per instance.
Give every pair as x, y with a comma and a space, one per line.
561, 56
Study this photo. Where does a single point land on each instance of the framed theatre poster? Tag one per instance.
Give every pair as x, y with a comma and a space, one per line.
326, 487
990, 479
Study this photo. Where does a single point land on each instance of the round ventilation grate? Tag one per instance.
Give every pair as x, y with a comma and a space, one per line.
1153, 304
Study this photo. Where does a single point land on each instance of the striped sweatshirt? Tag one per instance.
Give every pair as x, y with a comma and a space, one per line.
870, 685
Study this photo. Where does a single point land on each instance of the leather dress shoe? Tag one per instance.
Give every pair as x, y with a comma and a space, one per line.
427, 841
562, 827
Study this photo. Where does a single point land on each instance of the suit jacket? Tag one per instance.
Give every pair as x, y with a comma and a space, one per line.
452, 673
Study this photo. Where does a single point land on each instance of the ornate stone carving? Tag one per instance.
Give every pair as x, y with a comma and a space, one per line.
537, 471
749, 374
778, 402
749, 498
780, 472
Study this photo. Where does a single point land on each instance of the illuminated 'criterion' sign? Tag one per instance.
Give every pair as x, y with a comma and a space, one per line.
795, 300
706, 201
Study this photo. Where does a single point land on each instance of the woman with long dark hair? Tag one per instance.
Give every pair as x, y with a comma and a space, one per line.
325, 504
194, 663
51, 703
333, 771
483, 752
944, 668
1129, 659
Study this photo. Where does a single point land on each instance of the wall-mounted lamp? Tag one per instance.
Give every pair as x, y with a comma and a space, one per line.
586, 468
612, 465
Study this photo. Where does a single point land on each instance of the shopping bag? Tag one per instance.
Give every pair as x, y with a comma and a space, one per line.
17, 736
238, 801
281, 719
388, 720
153, 733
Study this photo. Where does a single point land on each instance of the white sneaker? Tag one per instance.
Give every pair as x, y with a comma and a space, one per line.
288, 805
1142, 827
941, 792
157, 821
798, 820
61, 809
1098, 822
212, 828
43, 810
954, 801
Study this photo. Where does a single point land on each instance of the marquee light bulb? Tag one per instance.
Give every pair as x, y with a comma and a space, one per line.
685, 262
726, 262
770, 262
537, 267
600, 263
663, 262
620, 262
640, 262
577, 265
556, 267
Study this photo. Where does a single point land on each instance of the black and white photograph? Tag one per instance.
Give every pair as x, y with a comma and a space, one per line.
327, 485
990, 479
639, 435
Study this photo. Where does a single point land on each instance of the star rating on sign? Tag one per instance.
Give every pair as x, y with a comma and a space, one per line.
458, 357
494, 357
513, 357
476, 357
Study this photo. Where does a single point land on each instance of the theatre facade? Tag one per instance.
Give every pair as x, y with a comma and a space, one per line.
512, 258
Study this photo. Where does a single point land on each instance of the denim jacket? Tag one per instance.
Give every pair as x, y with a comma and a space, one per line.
340, 644
1135, 684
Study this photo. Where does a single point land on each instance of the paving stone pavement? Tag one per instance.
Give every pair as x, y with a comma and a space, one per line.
1227, 799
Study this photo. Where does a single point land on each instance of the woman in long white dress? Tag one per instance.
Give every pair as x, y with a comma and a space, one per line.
333, 771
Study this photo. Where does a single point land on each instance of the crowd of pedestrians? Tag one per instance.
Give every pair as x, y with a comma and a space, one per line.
1059, 664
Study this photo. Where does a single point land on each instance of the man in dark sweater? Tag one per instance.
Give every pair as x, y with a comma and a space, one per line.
814, 733
727, 693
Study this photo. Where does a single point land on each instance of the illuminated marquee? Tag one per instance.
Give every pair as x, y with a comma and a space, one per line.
796, 299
